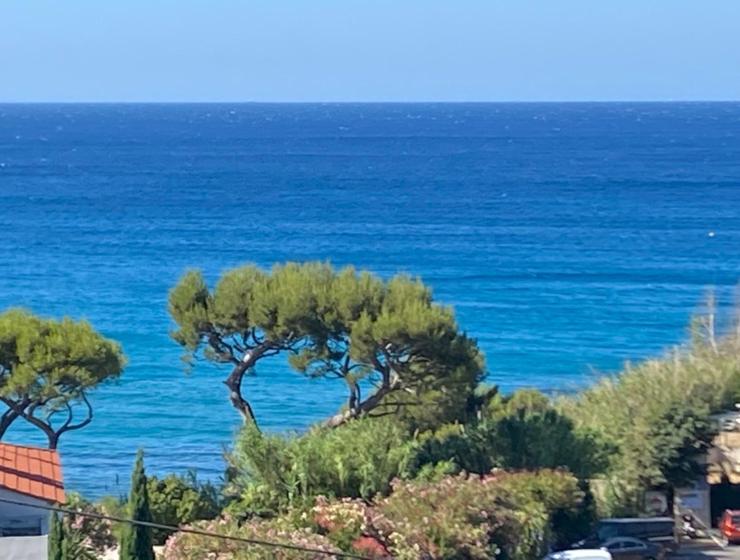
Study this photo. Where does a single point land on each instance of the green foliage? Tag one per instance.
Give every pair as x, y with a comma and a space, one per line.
389, 336
525, 431
136, 542
56, 538
177, 500
96, 534
184, 546
504, 516
656, 417
47, 366
67, 542
451, 449
522, 431
507, 515
359, 460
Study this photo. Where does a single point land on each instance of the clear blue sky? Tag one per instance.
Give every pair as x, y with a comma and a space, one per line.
369, 50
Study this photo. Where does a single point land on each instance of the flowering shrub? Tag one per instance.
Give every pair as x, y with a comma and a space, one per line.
187, 546
506, 515
95, 534
503, 515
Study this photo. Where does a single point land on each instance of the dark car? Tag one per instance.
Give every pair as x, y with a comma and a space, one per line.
656, 530
628, 548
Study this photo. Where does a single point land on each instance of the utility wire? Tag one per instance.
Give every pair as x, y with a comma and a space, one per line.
244, 540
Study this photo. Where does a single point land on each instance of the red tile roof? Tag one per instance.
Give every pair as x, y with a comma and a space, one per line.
31, 471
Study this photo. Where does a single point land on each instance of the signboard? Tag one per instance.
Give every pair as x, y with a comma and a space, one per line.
656, 503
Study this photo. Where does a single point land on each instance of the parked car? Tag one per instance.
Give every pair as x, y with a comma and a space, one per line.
580, 554
658, 530
628, 548
729, 525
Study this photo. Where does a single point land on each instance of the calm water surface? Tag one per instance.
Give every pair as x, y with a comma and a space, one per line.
569, 237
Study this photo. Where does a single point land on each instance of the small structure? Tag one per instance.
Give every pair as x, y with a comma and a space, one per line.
29, 477
720, 488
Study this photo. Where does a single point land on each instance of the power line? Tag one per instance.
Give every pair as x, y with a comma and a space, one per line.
244, 540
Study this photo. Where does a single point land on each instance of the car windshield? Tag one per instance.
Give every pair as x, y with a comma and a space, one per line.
736, 519
638, 528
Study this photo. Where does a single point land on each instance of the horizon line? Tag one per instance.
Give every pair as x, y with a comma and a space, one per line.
365, 102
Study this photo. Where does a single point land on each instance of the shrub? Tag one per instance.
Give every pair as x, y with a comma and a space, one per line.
656, 416
96, 534
178, 500
357, 460
522, 431
505, 515
186, 546
509, 516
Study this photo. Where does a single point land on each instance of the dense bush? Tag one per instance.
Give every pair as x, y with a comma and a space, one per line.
522, 431
95, 534
655, 416
357, 460
177, 500
506, 515
187, 546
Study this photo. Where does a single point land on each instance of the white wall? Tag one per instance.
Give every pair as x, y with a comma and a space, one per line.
15, 515
24, 548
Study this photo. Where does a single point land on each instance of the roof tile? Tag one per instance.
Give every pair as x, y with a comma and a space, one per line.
32, 471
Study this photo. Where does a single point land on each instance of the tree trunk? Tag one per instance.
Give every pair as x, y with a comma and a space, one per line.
15, 411
234, 383
363, 407
5, 422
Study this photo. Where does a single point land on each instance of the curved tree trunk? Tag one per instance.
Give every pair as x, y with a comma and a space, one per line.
234, 383
15, 411
363, 407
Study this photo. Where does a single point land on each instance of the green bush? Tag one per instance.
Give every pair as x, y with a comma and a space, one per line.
187, 546
357, 460
655, 416
509, 516
97, 534
506, 515
179, 500
522, 431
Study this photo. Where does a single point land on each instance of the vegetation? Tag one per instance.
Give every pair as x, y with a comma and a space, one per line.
386, 337
655, 416
177, 500
503, 515
357, 460
185, 546
421, 462
56, 538
136, 542
96, 534
47, 368
67, 542
522, 431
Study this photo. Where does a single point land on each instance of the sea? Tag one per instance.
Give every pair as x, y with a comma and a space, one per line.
570, 239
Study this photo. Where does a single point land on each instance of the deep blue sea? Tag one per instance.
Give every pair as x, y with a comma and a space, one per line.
569, 238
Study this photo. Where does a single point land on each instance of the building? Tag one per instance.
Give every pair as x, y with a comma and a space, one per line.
720, 489
29, 477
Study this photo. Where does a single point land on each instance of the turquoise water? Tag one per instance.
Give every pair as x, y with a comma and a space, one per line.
569, 237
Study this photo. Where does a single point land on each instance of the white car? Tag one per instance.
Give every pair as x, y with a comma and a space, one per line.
580, 554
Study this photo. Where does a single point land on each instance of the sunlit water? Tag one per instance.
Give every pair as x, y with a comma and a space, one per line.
569, 238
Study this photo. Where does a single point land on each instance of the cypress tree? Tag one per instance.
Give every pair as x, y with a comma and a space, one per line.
56, 538
136, 541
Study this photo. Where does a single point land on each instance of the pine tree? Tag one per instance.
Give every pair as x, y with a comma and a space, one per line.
136, 541
56, 538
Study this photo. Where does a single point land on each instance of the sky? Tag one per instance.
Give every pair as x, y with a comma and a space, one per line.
369, 50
